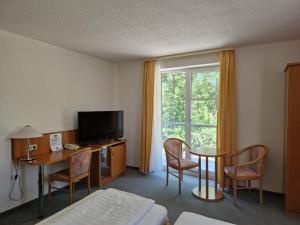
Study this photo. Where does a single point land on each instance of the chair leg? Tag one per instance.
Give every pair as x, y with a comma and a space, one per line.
73, 186
70, 193
234, 191
167, 182
224, 181
261, 192
89, 184
179, 179
49, 190
249, 185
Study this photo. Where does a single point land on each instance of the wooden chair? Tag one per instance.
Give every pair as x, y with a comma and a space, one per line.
173, 149
79, 168
251, 170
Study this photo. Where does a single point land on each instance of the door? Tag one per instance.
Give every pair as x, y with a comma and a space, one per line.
189, 107
118, 160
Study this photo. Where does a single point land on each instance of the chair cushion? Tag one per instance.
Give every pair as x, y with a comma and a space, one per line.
184, 164
242, 172
62, 175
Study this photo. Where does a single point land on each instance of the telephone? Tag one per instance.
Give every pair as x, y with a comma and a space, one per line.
71, 146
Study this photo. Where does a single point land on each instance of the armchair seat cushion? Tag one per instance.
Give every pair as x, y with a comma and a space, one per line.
242, 172
62, 175
184, 164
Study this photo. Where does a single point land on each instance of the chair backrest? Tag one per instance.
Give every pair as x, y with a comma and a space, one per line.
80, 163
173, 146
256, 151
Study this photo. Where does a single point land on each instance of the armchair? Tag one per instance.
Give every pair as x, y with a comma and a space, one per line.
173, 149
251, 170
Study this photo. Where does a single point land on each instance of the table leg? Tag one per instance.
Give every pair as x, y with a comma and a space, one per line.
216, 174
208, 193
199, 175
207, 177
41, 191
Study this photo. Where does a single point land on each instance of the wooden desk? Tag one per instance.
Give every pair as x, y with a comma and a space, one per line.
206, 192
48, 158
53, 157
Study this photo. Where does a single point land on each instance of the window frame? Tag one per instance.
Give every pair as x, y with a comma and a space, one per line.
188, 100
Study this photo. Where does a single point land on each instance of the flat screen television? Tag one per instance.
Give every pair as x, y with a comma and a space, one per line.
96, 126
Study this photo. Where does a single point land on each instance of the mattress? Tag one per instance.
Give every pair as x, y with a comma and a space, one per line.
188, 218
156, 216
109, 207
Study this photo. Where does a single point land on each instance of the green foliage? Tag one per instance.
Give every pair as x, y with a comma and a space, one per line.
204, 98
173, 98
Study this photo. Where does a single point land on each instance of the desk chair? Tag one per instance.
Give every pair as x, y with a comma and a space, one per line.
173, 149
251, 170
79, 168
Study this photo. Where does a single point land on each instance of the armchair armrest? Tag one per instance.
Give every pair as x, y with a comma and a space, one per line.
187, 145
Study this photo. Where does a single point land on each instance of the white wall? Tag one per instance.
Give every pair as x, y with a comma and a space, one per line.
44, 86
131, 89
260, 100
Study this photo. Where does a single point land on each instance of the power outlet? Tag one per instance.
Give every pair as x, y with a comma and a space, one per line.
33, 147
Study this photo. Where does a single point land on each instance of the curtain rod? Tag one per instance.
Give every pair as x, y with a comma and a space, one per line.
189, 54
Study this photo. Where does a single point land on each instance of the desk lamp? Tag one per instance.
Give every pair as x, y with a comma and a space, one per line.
27, 132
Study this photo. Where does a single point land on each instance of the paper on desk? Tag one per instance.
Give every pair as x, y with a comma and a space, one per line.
56, 142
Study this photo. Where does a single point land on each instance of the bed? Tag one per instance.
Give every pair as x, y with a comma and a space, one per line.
110, 207
188, 218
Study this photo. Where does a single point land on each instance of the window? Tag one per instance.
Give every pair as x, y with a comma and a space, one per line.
189, 105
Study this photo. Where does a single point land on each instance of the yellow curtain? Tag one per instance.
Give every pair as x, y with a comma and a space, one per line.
227, 108
147, 115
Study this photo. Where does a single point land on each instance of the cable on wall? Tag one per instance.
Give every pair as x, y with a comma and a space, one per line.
16, 183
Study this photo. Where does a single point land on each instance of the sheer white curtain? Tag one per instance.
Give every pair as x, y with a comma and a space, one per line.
156, 143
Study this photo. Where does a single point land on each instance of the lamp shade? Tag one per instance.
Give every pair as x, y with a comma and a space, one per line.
27, 132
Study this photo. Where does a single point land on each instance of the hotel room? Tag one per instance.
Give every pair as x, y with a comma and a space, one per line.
158, 112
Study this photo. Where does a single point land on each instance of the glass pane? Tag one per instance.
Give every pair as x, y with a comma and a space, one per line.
204, 138
205, 85
204, 112
173, 130
173, 97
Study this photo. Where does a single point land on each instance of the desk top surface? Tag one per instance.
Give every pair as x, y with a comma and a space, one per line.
62, 155
51, 157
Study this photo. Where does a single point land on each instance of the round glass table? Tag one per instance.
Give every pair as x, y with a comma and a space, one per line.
207, 192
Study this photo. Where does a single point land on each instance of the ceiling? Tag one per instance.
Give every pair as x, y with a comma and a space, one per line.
123, 30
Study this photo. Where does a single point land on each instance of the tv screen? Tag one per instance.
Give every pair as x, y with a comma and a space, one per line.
99, 125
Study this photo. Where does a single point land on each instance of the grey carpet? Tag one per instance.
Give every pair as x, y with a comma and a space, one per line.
249, 211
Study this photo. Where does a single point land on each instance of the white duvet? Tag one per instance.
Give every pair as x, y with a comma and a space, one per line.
188, 218
103, 207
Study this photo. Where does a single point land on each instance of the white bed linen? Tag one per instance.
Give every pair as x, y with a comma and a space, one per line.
103, 207
156, 216
188, 218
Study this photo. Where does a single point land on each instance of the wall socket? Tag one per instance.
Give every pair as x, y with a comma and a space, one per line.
32, 147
